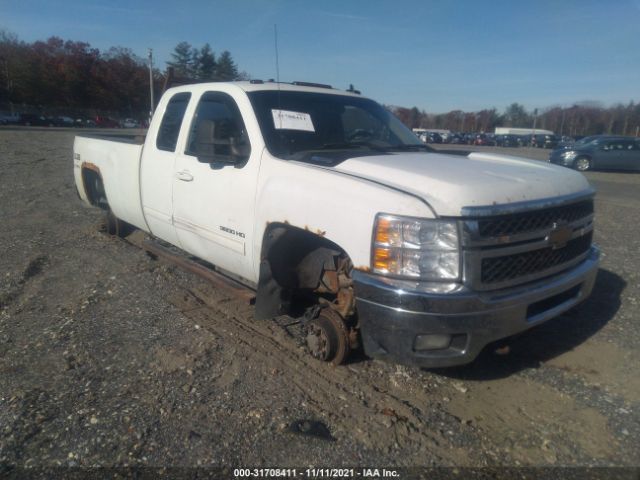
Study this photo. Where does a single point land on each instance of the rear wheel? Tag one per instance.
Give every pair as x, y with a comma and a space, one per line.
328, 338
582, 164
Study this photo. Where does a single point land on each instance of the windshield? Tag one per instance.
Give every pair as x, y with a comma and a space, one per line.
327, 128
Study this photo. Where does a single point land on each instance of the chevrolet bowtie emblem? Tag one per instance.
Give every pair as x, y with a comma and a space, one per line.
559, 236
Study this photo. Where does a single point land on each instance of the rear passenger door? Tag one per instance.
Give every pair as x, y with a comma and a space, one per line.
609, 155
158, 167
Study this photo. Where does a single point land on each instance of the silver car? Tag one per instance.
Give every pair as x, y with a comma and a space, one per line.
605, 153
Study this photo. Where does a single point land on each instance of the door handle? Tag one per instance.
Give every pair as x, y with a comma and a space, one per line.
184, 175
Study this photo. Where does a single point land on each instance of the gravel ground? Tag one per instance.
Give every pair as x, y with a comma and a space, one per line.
110, 358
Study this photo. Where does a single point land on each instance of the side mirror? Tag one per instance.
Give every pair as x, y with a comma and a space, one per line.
213, 144
239, 148
231, 151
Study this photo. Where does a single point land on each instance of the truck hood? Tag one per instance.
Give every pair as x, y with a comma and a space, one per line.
450, 182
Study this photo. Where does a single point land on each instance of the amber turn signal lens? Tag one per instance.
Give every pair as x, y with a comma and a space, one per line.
383, 228
381, 258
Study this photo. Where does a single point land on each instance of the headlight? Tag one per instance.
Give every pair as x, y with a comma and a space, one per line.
414, 248
570, 155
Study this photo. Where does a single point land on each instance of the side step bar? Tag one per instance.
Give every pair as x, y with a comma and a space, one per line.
214, 277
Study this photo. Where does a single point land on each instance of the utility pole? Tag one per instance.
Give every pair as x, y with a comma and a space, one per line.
152, 103
535, 119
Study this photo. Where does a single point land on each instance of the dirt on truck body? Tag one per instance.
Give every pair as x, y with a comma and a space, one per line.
109, 357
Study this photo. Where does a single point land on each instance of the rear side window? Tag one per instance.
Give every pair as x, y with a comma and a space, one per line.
171, 122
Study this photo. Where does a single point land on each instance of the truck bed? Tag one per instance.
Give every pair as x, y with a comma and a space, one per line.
116, 158
123, 137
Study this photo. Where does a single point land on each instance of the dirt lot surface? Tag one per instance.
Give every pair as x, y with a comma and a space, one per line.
108, 357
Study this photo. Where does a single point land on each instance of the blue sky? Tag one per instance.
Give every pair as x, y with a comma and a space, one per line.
437, 55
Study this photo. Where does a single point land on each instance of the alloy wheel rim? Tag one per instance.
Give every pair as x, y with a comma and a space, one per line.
582, 164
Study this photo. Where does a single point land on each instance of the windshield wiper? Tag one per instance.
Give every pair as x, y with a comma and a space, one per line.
337, 146
408, 147
349, 145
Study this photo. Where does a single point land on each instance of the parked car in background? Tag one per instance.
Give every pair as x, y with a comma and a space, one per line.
83, 122
566, 141
106, 122
9, 118
545, 141
35, 120
130, 123
63, 121
431, 137
469, 138
525, 140
457, 139
485, 139
508, 140
606, 153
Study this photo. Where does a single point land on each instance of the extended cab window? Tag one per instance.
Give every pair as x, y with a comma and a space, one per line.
217, 131
171, 122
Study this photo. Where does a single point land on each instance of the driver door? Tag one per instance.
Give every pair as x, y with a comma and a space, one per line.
214, 187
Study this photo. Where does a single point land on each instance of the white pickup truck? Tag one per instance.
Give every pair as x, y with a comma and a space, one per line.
335, 212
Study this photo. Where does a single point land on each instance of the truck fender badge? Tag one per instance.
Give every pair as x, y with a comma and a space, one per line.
232, 231
559, 236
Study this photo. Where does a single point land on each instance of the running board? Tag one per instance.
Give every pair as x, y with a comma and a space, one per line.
214, 277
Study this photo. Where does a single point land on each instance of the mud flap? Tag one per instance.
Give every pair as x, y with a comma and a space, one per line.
271, 299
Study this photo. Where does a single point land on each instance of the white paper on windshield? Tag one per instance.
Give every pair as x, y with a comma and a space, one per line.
286, 120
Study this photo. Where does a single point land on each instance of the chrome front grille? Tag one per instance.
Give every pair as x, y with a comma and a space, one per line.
512, 267
505, 250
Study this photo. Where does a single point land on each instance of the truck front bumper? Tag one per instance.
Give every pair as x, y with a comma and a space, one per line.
407, 322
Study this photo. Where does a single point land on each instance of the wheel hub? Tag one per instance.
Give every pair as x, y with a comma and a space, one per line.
317, 342
582, 164
327, 337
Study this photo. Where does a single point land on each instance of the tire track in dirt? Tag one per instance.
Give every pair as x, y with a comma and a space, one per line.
34, 267
352, 405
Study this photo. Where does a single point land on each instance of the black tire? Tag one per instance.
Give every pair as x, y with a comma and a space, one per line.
327, 337
582, 164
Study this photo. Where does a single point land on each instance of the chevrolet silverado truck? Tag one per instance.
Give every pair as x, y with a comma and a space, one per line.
335, 213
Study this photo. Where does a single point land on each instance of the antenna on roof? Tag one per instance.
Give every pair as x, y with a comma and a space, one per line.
275, 37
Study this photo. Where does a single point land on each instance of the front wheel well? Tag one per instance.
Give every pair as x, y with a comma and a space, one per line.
298, 269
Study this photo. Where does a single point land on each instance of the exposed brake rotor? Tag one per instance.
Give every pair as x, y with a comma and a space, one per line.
327, 337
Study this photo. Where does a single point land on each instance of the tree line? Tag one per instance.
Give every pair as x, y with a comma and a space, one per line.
57, 76
584, 118
65, 76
